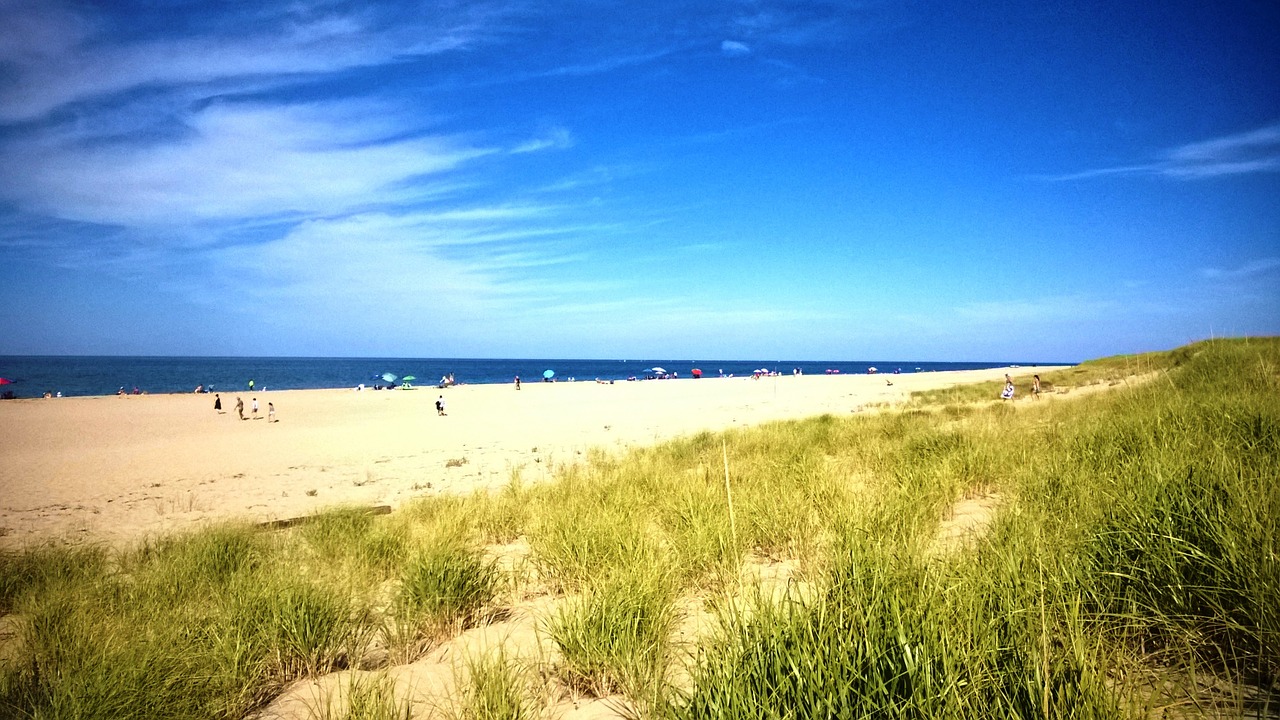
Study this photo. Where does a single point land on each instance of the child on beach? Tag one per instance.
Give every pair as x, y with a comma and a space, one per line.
440, 405
271, 412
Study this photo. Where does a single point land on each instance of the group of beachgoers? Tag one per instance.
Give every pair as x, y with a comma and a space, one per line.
271, 408
1008, 392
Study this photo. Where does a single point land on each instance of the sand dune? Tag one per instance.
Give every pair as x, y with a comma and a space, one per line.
118, 468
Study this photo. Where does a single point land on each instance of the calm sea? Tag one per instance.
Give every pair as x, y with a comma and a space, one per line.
33, 376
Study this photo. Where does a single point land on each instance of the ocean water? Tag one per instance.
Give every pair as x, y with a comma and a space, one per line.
32, 376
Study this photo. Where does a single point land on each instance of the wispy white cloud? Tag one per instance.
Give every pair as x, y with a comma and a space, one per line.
609, 64
234, 161
1254, 151
555, 139
1247, 152
795, 24
382, 281
1248, 270
733, 48
1102, 172
60, 57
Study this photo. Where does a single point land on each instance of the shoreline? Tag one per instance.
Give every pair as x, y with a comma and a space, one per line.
121, 468
73, 376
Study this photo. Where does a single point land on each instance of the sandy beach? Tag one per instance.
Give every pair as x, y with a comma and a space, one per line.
120, 468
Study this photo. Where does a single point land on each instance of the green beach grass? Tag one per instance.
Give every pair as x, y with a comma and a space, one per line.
1123, 561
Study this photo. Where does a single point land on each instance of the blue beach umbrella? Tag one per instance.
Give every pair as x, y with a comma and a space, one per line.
389, 377
548, 374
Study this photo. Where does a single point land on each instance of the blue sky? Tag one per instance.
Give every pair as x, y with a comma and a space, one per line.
728, 179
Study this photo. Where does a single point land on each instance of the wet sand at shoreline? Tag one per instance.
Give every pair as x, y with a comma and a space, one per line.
120, 468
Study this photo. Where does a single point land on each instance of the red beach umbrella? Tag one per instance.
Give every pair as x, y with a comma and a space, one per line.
697, 372
5, 381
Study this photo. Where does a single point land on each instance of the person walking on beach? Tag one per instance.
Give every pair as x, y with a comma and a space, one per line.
1035, 387
240, 407
517, 382
217, 403
271, 412
1008, 388
255, 408
440, 405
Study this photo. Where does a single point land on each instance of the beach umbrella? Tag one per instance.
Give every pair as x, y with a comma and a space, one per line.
658, 370
407, 378
548, 374
389, 377
5, 381
697, 372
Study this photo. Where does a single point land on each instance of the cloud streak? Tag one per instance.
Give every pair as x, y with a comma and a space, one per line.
74, 60
1255, 151
1251, 269
232, 161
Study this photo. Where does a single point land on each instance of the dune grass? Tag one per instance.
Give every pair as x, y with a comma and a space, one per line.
442, 590
499, 689
614, 638
365, 698
1133, 554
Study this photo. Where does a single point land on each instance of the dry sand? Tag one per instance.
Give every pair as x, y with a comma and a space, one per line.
119, 468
